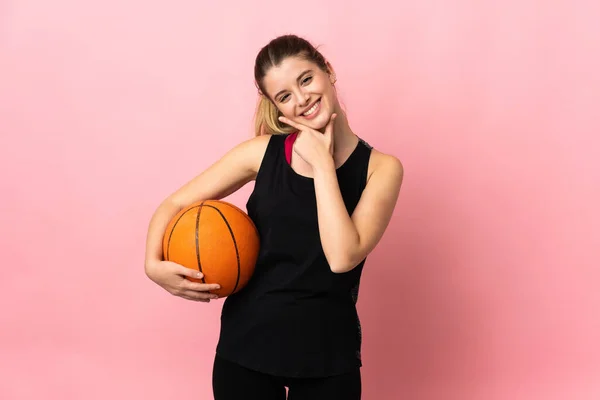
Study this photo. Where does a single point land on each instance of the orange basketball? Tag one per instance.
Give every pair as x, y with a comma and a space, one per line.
216, 238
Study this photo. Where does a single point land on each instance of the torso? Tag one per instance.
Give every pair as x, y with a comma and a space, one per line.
296, 317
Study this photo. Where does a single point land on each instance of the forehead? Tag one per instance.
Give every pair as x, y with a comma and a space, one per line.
285, 74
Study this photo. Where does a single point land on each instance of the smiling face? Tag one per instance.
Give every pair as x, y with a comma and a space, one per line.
302, 91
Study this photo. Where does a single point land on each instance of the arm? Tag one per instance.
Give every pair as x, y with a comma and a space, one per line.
346, 239
236, 168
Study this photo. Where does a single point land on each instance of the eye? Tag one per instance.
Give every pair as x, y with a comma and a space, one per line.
283, 98
307, 79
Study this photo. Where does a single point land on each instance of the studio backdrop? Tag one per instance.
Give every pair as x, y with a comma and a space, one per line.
485, 285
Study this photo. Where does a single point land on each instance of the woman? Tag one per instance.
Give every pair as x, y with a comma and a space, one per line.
321, 202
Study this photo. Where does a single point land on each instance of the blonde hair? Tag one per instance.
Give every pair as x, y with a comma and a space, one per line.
266, 117
266, 120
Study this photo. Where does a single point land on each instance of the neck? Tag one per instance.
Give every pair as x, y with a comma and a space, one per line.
344, 140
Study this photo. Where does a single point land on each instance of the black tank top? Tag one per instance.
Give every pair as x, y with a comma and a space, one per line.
295, 318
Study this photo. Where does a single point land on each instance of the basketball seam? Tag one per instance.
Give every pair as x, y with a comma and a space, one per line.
198, 240
237, 254
173, 230
235, 208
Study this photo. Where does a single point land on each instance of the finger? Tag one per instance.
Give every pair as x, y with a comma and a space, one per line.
188, 296
292, 123
199, 287
198, 295
329, 127
189, 272
193, 299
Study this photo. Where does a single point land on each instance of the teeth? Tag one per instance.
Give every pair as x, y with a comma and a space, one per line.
312, 109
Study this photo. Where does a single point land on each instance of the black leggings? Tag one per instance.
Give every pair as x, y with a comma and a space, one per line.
233, 382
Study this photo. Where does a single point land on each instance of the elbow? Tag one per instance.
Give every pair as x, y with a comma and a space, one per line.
343, 265
345, 257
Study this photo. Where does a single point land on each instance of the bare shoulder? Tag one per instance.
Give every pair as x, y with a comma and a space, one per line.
385, 165
233, 170
259, 142
252, 151
256, 145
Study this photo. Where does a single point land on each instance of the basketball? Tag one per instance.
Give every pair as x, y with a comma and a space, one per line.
216, 238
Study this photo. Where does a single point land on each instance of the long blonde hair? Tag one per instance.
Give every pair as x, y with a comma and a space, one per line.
266, 117
266, 120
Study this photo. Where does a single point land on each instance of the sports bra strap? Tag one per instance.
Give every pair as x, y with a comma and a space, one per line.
289, 145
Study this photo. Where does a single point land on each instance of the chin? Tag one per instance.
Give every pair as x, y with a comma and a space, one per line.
319, 122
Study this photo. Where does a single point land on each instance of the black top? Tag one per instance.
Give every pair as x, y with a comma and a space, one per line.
295, 317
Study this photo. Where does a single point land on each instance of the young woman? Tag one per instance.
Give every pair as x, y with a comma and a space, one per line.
321, 202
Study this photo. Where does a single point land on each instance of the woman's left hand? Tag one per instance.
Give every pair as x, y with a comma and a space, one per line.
314, 147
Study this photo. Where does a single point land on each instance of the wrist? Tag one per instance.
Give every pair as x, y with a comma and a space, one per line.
324, 165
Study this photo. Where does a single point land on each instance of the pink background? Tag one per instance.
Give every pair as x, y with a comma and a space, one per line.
486, 283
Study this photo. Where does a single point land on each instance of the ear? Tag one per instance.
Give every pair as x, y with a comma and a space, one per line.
331, 71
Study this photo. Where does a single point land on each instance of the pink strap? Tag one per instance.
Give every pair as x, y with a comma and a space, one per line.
289, 145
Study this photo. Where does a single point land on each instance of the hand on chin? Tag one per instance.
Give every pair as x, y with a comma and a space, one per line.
315, 147
318, 124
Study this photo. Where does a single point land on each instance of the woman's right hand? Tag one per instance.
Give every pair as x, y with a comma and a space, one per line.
173, 278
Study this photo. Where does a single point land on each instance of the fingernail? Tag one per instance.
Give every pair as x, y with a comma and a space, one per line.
199, 274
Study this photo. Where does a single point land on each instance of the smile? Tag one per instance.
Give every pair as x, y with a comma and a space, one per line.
311, 112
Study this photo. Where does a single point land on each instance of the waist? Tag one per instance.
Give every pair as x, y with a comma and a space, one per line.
291, 323
285, 300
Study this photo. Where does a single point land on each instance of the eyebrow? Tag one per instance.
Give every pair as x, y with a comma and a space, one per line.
297, 80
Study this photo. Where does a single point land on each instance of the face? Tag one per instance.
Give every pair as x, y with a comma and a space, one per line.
302, 91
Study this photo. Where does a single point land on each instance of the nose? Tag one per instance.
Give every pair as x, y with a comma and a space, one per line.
303, 99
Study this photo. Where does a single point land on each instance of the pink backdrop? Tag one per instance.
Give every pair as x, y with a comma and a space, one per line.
486, 284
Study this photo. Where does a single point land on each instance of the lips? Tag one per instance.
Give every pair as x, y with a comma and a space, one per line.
309, 107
